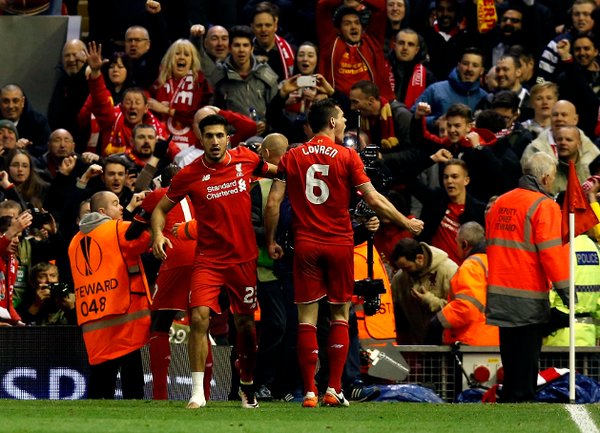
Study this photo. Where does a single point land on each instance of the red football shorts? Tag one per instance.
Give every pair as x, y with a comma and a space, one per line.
239, 280
172, 289
323, 270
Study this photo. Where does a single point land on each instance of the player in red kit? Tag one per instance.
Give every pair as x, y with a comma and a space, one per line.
218, 184
320, 177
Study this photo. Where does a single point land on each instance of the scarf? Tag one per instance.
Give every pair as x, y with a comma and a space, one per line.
486, 15
386, 125
287, 55
416, 86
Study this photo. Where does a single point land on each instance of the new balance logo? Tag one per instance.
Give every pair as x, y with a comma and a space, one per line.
205, 177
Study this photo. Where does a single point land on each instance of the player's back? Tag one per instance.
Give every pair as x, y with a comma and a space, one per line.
320, 178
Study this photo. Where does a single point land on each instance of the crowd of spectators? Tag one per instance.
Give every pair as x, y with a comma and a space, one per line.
454, 102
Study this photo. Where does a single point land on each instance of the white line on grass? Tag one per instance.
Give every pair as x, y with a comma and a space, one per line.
582, 418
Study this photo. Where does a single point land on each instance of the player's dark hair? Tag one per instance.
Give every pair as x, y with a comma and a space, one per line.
320, 113
213, 119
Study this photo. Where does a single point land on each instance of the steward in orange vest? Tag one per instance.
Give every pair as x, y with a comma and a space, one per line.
112, 296
463, 317
525, 253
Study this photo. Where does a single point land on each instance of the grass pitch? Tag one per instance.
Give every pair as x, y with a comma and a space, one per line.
170, 417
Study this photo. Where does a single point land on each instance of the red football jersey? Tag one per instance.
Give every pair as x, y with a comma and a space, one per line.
220, 195
320, 178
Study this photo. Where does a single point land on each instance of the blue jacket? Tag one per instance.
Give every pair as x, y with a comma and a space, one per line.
441, 95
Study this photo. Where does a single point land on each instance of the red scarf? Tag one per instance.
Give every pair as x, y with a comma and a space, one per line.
287, 55
416, 86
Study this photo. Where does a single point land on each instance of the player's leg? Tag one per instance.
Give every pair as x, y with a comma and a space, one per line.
308, 350
241, 288
160, 351
204, 293
340, 279
198, 352
337, 352
309, 288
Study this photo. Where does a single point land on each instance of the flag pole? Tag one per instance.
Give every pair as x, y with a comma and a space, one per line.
572, 396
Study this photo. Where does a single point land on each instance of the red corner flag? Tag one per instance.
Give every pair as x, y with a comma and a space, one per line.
576, 203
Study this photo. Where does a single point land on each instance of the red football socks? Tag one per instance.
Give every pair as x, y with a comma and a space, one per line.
337, 352
308, 355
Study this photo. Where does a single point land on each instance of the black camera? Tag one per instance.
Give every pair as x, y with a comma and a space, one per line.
369, 154
369, 290
40, 218
59, 290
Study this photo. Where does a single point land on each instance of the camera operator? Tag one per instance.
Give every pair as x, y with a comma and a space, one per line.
47, 301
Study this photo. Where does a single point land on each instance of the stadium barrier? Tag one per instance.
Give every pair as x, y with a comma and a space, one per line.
51, 363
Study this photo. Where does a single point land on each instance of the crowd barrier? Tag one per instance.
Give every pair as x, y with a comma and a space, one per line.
51, 363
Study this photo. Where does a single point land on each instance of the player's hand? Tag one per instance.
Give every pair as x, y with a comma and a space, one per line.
159, 247
275, 251
372, 224
175, 228
415, 226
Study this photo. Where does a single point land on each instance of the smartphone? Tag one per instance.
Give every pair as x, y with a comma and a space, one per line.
306, 81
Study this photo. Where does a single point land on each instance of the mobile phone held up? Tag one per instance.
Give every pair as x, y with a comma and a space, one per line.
306, 81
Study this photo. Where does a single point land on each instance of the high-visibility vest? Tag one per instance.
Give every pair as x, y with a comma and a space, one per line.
525, 253
100, 273
464, 316
587, 286
112, 298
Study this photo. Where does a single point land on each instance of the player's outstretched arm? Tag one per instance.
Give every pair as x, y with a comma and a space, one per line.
385, 209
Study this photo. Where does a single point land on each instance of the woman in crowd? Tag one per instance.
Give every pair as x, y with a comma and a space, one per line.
25, 180
287, 111
181, 89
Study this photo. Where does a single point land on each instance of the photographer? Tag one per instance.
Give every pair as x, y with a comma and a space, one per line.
47, 301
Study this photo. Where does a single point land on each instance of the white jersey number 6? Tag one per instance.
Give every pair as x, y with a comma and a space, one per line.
314, 185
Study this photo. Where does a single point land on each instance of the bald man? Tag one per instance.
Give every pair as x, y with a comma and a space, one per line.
563, 114
70, 92
212, 44
244, 127
115, 319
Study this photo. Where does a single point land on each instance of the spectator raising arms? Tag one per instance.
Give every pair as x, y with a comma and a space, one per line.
116, 122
